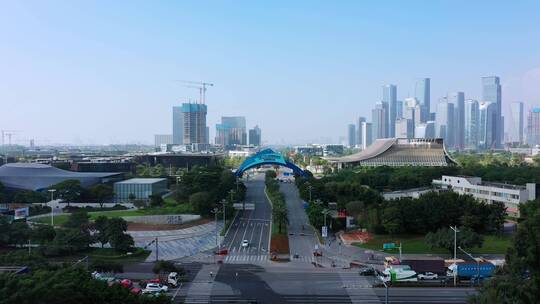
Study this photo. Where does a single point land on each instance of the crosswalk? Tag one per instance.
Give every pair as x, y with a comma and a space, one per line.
242, 259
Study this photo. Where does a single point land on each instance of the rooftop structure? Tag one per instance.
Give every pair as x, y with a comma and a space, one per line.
139, 188
510, 195
37, 177
399, 152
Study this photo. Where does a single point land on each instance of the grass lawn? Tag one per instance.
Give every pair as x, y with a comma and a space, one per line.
415, 244
169, 208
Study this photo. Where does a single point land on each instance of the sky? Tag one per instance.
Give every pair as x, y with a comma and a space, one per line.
104, 72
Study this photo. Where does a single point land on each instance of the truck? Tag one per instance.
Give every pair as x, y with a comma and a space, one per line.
426, 264
469, 269
399, 275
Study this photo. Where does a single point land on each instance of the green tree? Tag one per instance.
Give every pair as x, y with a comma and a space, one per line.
5, 229
19, 233
280, 215
43, 234
100, 225
160, 267
444, 238
156, 200
202, 203
115, 230
78, 220
102, 193
519, 281
69, 190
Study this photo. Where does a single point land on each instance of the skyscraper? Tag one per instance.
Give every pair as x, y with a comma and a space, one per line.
194, 116
422, 92
404, 128
379, 120
472, 124
458, 99
412, 110
425, 130
359, 138
390, 98
367, 134
516, 123
177, 126
351, 135
255, 136
491, 92
487, 135
533, 127
444, 123
231, 132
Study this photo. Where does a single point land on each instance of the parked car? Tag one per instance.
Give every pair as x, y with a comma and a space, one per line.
223, 251
155, 288
136, 290
245, 243
317, 253
427, 276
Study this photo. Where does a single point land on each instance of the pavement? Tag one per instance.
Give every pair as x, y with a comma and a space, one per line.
251, 225
176, 244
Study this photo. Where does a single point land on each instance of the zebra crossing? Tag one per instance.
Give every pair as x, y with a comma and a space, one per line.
242, 259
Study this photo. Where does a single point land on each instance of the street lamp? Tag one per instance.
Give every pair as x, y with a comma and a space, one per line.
477, 264
310, 187
52, 208
215, 212
455, 253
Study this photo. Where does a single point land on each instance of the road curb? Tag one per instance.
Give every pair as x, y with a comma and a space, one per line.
271, 219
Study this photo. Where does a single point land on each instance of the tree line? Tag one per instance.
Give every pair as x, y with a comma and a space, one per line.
280, 216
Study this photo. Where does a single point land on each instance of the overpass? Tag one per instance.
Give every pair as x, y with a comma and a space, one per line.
267, 157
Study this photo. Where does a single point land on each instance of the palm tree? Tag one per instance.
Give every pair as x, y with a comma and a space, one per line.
279, 213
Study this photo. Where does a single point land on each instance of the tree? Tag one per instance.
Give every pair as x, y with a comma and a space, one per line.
106, 266
78, 220
202, 203
5, 228
102, 193
43, 234
115, 230
162, 266
279, 214
69, 190
156, 200
100, 225
19, 233
69, 241
444, 238
519, 280
131, 197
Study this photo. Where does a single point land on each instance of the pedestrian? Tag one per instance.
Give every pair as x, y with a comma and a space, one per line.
211, 274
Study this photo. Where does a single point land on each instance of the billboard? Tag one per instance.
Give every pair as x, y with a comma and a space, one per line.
21, 213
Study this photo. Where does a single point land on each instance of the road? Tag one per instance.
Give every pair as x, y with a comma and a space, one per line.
302, 238
251, 225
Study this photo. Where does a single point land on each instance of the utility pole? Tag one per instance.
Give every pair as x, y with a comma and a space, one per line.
157, 249
52, 207
455, 253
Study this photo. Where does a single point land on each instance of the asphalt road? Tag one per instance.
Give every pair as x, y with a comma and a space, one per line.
302, 238
251, 225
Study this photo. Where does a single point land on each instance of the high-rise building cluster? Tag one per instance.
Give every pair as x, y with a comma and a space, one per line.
191, 133
462, 123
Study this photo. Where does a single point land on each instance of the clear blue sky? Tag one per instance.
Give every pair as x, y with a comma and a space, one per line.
105, 71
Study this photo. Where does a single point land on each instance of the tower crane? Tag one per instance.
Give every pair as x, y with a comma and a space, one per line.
7, 133
201, 85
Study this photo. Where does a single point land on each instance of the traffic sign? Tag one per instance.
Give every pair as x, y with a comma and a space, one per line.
324, 231
389, 246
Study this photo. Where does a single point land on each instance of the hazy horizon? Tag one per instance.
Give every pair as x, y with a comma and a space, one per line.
107, 72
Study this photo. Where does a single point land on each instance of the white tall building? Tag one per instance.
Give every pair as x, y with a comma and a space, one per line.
359, 137
472, 124
487, 135
404, 128
444, 122
516, 126
425, 130
367, 134
458, 100
422, 93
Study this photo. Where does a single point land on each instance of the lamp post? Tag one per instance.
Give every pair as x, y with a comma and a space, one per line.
52, 208
477, 264
455, 253
215, 212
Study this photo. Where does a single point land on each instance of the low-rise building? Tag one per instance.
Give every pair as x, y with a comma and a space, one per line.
141, 188
410, 193
511, 195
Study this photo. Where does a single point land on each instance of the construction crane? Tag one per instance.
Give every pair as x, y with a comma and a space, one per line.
198, 85
7, 133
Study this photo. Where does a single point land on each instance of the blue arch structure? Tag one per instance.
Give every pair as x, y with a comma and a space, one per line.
267, 157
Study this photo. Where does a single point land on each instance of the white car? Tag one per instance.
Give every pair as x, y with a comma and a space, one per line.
245, 243
428, 276
155, 288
